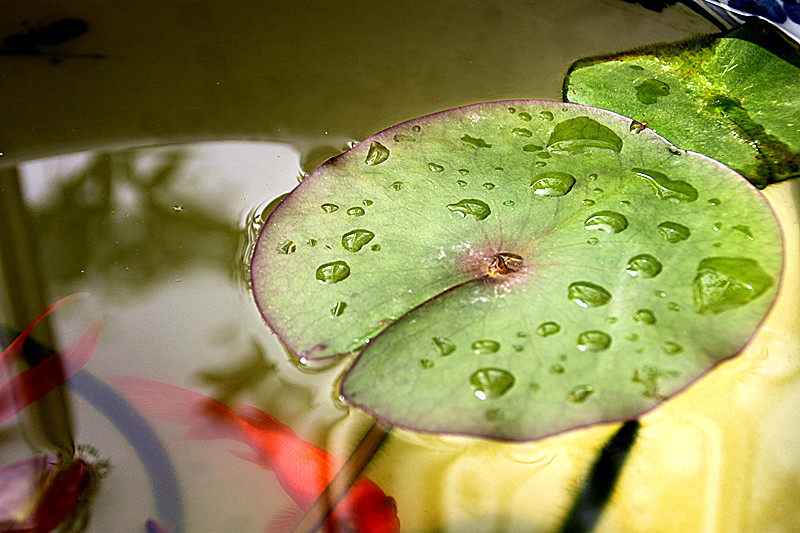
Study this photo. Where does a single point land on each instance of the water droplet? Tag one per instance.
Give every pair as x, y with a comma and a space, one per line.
397, 185
512, 110
356, 211
633, 337
608, 221
444, 345
504, 263
546, 115
461, 183
624, 202
532, 148
471, 206
552, 184
475, 142
416, 128
588, 294
717, 226
593, 240
723, 283
509, 203
375, 247
666, 188
522, 335
671, 348
580, 393
744, 230
598, 190
588, 202
533, 386
581, 134
540, 164
593, 341
644, 266
592, 177
311, 242
333, 272
426, 363
645, 316
637, 127
659, 294
485, 346
612, 320
367, 202
544, 155
650, 90
522, 132
286, 247
717, 245
517, 347
674, 232
404, 138
376, 154
463, 171
673, 306
488, 186
525, 116
433, 167
635, 67
329, 208
338, 309
490, 383
354, 240
556, 368
546, 329
714, 201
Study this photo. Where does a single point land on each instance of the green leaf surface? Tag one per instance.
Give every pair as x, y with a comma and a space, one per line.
735, 97
516, 269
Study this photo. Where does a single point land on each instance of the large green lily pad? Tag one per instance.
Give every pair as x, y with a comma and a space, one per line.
734, 97
515, 269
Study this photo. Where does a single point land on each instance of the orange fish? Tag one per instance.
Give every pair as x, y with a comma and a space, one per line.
302, 469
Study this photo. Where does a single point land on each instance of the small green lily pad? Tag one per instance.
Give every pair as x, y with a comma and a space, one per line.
495, 290
734, 97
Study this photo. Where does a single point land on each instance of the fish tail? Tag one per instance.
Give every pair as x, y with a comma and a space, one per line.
207, 418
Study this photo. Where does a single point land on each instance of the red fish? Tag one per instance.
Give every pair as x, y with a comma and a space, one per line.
42, 493
302, 469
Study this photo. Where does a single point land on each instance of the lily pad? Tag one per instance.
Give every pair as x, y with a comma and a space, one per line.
515, 269
733, 97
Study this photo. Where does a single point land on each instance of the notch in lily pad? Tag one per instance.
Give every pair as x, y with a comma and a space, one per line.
581, 288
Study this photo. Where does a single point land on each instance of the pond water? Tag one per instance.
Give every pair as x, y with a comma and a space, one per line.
137, 160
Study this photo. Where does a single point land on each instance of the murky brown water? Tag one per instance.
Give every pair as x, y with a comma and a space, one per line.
146, 149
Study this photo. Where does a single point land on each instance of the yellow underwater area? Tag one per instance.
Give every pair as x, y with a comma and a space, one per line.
723, 456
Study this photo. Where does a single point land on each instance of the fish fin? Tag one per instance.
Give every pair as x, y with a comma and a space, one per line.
258, 418
285, 520
28, 386
208, 419
153, 526
252, 458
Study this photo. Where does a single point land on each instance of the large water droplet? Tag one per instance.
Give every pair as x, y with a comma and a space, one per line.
552, 184
485, 346
546, 115
744, 230
666, 188
588, 294
475, 142
444, 345
488, 185
525, 116
593, 341
608, 221
332, 272
546, 329
671, 348
461, 183
674, 232
580, 393
645, 316
532, 148
490, 383
356, 211
504, 263
376, 154
329, 208
723, 283
354, 240
471, 206
580, 134
522, 132
650, 90
644, 266
433, 167
397, 185
286, 247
